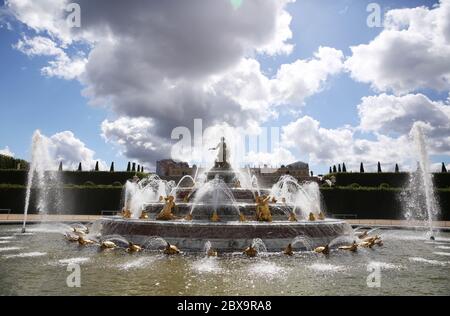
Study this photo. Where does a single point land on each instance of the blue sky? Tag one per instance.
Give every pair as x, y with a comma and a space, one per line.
31, 100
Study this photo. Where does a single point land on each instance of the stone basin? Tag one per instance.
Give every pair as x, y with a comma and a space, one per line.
226, 236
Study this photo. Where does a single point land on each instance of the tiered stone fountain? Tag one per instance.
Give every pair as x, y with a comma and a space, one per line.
219, 210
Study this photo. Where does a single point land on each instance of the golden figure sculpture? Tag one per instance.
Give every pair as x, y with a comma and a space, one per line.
292, 217
211, 253
242, 217
323, 249
83, 242
262, 209
274, 200
108, 245
144, 215
133, 247
237, 184
353, 247
250, 251
126, 213
188, 217
166, 214
171, 250
321, 216
288, 251
215, 217
311, 217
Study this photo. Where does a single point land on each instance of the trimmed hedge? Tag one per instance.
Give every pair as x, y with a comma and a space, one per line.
374, 203
393, 179
366, 203
76, 200
73, 177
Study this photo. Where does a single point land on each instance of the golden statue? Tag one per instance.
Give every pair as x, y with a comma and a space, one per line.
215, 217
107, 245
353, 247
133, 247
171, 250
72, 238
288, 251
274, 200
292, 217
242, 217
83, 242
262, 209
321, 216
311, 217
126, 213
211, 252
144, 215
250, 251
237, 184
323, 249
188, 217
166, 213
161, 198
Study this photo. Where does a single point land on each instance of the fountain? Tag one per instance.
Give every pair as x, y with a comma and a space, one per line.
419, 197
40, 176
225, 209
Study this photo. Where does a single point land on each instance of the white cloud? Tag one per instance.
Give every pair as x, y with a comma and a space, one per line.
412, 52
333, 146
62, 66
395, 115
65, 147
7, 152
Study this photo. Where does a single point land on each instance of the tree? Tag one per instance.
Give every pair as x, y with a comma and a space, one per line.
129, 167
142, 169
79, 167
330, 171
334, 169
96, 166
444, 169
397, 169
111, 169
361, 168
379, 167
60, 168
339, 168
133, 169
344, 169
312, 174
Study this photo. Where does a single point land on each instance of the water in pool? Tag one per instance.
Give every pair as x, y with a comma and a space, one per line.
36, 263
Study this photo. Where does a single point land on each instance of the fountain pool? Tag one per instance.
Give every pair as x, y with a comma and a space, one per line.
36, 264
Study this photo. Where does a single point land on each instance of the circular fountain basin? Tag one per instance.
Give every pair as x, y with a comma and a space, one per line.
228, 235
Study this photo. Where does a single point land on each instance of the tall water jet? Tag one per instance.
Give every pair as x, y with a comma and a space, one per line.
419, 198
41, 175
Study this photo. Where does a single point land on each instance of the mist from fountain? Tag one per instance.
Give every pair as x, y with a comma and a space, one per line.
137, 194
215, 192
43, 177
419, 200
304, 198
304, 241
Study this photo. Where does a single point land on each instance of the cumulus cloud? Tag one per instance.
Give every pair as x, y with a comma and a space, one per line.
62, 66
332, 146
412, 52
396, 115
171, 62
7, 152
65, 147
